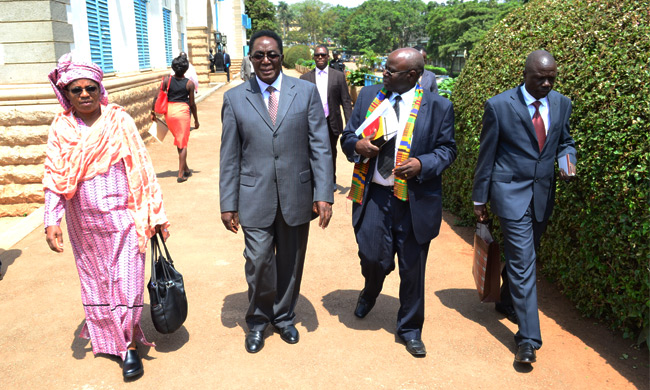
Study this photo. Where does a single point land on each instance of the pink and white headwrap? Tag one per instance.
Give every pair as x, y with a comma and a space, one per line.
69, 70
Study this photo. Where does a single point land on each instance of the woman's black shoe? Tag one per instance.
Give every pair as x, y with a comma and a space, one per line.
132, 366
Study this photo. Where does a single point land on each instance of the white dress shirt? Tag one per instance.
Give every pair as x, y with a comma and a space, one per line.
321, 85
405, 105
543, 108
263, 86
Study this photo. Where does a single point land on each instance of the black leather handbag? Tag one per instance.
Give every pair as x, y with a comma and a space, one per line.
166, 290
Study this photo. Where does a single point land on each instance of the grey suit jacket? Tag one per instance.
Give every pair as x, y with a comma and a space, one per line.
265, 166
511, 171
428, 81
337, 96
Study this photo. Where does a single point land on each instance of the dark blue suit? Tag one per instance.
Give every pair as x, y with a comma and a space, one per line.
519, 182
385, 226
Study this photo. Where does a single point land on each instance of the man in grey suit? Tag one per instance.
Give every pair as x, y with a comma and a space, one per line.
525, 130
428, 78
334, 93
275, 171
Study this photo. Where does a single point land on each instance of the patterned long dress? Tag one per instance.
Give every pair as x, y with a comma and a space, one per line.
105, 246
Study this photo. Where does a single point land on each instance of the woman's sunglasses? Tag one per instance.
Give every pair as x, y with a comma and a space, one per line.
91, 89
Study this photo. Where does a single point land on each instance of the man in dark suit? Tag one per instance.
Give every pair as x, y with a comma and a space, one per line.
226, 64
428, 78
525, 130
275, 171
337, 63
397, 193
333, 91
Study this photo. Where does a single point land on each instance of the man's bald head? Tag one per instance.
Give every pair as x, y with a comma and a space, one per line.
403, 68
540, 73
412, 57
540, 57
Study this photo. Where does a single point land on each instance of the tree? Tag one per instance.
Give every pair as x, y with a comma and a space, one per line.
262, 14
369, 27
454, 28
310, 14
384, 25
337, 16
285, 17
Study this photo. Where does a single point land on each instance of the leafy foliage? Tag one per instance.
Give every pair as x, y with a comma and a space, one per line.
455, 27
383, 25
596, 247
262, 14
293, 54
436, 69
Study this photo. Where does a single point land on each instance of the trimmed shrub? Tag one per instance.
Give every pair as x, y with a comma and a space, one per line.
292, 54
596, 247
436, 69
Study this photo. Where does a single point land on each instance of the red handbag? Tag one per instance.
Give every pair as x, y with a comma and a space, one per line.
161, 100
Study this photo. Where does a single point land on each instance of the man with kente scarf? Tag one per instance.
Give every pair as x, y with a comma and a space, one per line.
397, 189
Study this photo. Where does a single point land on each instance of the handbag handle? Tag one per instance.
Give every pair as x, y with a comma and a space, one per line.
163, 83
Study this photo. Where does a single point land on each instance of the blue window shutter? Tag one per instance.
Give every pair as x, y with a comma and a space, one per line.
142, 33
99, 34
167, 21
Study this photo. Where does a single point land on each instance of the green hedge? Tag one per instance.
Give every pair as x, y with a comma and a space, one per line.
596, 247
294, 53
436, 69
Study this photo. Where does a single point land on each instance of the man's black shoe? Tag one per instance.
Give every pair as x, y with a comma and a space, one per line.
525, 354
416, 348
289, 334
254, 341
363, 306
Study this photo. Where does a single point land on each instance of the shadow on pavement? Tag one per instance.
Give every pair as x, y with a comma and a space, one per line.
464, 232
7, 258
465, 301
341, 303
233, 312
174, 173
608, 344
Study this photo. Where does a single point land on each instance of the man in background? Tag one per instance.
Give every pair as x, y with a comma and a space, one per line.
334, 94
428, 78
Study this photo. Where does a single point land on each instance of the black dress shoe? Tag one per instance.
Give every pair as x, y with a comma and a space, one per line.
508, 311
416, 348
289, 334
525, 354
254, 341
363, 306
132, 366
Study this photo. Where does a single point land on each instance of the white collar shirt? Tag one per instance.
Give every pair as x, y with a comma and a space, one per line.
405, 104
321, 85
543, 108
263, 86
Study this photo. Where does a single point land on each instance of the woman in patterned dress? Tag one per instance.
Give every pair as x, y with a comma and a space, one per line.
98, 171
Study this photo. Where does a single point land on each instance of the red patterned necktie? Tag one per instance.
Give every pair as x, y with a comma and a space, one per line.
273, 103
538, 123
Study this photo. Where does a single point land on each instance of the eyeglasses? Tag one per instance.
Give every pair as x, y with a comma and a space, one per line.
320, 55
90, 89
259, 56
390, 73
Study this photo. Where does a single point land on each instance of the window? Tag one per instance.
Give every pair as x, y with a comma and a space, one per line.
142, 33
99, 34
167, 21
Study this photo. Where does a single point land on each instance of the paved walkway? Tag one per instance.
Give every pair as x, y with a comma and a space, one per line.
469, 344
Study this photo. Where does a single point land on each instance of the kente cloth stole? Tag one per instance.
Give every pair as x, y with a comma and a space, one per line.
360, 173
